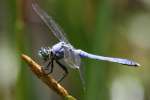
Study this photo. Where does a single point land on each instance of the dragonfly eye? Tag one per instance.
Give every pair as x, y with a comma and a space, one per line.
44, 53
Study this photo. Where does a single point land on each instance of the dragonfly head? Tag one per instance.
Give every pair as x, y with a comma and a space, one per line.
44, 53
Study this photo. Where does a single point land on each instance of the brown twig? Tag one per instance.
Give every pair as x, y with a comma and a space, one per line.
48, 80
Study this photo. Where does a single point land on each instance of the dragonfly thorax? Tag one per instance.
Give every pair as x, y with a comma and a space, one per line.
57, 47
58, 50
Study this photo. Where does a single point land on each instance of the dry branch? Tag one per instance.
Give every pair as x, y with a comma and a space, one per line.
48, 80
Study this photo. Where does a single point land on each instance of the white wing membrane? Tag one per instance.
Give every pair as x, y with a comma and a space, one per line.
71, 57
50, 23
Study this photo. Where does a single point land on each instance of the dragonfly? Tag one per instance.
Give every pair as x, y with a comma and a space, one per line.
63, 50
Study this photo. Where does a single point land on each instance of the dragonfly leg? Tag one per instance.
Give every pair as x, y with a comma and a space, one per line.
52, 66
65, 70
49, 67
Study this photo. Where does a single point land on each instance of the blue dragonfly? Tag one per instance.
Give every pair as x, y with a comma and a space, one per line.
63, 50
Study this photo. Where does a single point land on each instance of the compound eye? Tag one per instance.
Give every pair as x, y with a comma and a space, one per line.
40, 53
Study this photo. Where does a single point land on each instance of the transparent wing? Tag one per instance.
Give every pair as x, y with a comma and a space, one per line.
71, 57
73, 60
50, 23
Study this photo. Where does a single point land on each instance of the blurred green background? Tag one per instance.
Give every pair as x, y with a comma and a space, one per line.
118, 28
